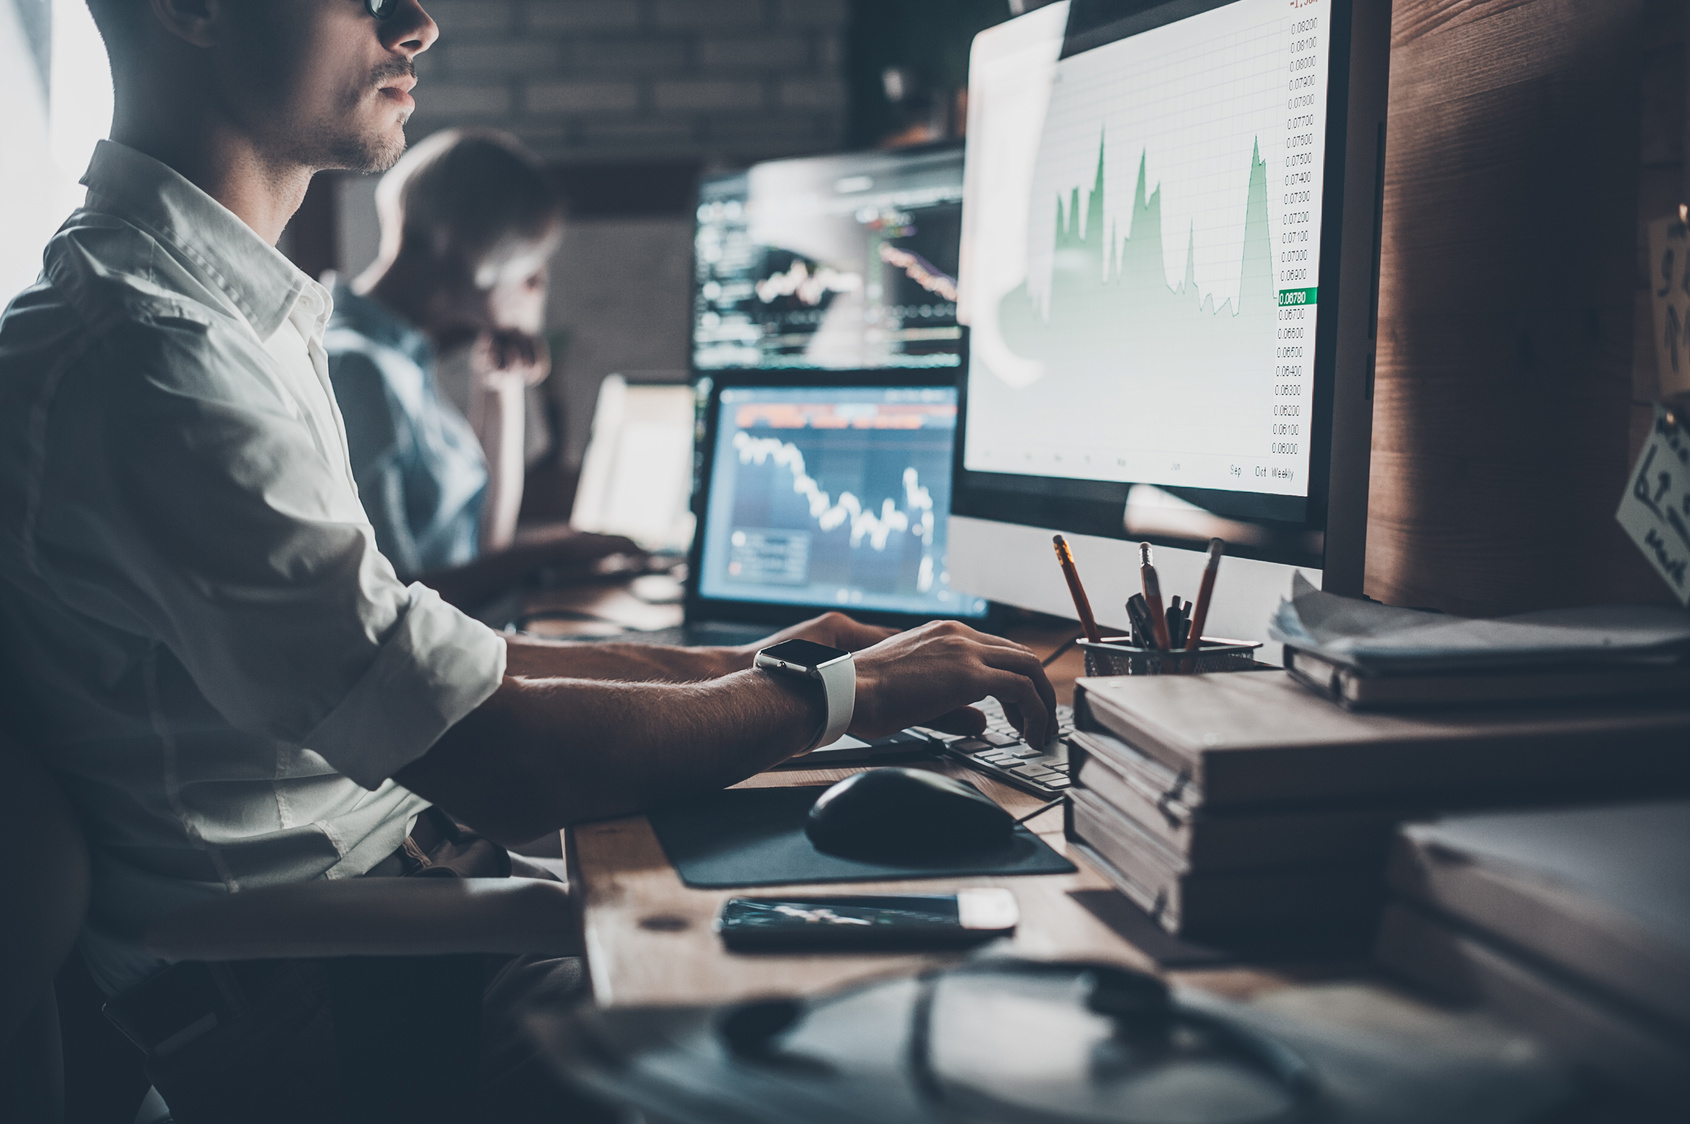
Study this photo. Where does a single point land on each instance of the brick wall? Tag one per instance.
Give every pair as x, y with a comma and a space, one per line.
618, 79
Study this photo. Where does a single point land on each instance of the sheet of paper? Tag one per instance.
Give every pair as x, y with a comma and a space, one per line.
1313, 619
1655, 510
1384, 639
1669, 268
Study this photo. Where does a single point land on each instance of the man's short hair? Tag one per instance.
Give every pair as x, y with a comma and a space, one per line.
466, 194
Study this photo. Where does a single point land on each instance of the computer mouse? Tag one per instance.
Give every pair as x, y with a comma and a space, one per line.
892, 814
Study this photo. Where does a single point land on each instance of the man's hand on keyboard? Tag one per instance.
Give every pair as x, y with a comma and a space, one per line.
928, 676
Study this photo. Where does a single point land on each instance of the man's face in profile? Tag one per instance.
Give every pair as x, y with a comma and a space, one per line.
322, 82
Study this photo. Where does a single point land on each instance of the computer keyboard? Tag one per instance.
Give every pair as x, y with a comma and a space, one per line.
1000, 753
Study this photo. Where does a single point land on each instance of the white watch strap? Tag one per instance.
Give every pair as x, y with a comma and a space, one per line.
839, 681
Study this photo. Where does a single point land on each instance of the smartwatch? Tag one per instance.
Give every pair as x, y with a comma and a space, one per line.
833, 668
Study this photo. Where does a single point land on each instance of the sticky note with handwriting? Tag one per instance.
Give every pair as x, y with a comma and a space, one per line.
1655, 511
1669, 262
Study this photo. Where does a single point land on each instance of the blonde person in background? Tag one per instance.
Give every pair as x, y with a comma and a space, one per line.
468, 222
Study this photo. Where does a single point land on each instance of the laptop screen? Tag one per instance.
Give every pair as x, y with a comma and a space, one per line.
832, 497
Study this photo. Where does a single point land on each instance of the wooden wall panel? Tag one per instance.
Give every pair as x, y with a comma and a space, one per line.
1503, 400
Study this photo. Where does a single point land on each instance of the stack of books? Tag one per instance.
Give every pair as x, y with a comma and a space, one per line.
1574, 922
1367, 656
1244, 809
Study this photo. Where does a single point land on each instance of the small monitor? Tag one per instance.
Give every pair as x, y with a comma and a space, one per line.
636, 477
828, 497
1169, 275
838, 263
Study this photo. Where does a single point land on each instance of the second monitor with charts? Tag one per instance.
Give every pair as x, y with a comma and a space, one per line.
843, 263
828, 497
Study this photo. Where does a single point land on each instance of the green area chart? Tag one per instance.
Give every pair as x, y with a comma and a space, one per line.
1110, 311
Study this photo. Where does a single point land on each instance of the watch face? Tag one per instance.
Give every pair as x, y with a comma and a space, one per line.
803, 653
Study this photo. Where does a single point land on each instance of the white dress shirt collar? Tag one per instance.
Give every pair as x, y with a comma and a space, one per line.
257, 278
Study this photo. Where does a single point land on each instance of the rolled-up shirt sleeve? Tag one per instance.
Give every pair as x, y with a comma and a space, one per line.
185, 500
435, 666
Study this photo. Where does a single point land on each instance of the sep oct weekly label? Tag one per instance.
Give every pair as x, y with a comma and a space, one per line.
1655, 510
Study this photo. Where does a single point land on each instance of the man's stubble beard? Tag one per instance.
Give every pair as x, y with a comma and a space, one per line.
366, 154
331, 146
334, 146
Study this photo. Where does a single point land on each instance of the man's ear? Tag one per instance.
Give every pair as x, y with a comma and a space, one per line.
194, 21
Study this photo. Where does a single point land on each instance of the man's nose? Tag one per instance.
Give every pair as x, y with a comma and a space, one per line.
409, 31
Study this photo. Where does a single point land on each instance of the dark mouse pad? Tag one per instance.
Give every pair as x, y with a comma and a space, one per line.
755, 837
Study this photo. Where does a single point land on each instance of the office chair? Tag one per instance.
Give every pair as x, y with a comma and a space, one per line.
47, 895
388, 944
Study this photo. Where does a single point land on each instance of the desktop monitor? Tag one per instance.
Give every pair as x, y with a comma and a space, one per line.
826, 497
837, 263
1169, 273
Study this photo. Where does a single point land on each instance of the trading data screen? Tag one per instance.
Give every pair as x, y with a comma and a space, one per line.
838, 263
1141, 247
833, 496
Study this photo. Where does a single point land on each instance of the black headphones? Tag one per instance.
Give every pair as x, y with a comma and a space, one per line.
1139, 1004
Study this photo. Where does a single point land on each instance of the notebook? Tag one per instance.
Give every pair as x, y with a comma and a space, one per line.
1379, 639
1332, 906
1148, 793
1262, 738
1580, 1023
1163, 803
1601, 892
1358, 690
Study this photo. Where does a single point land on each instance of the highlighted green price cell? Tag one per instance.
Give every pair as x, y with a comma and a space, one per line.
1289, 297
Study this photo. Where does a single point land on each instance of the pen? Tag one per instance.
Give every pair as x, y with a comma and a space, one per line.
1065, 559
1153, 597
1205, 590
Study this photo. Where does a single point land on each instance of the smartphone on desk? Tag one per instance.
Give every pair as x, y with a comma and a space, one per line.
867, 922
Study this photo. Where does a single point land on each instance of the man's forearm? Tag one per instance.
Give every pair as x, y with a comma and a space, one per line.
543, 753
532, 658
652, 663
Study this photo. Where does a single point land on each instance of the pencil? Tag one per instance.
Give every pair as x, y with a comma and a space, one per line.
1065, 559
1153, 598
1205, 590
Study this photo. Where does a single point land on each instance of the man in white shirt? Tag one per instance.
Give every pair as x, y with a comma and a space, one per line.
198, 632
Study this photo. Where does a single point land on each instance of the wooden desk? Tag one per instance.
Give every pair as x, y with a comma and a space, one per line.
590, 611
648, 936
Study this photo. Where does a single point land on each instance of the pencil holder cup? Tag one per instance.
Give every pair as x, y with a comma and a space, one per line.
1104, 657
